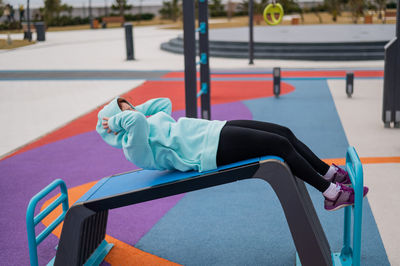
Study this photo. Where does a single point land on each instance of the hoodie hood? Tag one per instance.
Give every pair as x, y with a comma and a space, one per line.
110, 110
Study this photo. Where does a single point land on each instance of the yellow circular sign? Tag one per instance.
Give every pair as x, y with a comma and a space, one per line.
273, 14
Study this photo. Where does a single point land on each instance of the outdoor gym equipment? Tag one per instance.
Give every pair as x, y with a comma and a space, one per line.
82, 240
391, 83
32, 220
273, 13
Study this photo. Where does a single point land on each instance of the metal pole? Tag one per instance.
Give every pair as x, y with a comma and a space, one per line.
398, 20
189, 47
29, 23
106, 9
397, 67
204, 60
251, 44
90, 14
140, 11
391, 80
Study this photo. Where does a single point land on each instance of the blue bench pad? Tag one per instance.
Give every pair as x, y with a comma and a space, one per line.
142, 179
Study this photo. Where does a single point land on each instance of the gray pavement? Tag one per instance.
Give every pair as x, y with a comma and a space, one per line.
89, 74
308, 33
104, 49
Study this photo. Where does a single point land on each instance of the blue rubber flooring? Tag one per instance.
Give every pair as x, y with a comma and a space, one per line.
242, 223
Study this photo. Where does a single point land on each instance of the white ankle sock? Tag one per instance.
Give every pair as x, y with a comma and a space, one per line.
332, 191
331, 171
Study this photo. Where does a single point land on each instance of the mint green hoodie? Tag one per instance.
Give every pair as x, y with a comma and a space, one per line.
152, 139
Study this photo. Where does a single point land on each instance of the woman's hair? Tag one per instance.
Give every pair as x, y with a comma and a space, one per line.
122, 100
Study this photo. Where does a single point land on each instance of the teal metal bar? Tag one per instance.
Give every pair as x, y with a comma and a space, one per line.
49, 229
351, 255
99, 254
203, 59
32, 221
38, 218
346, 253
202, 28
204, 89
354, 167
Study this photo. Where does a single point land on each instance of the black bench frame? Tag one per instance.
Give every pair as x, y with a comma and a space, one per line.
85, 223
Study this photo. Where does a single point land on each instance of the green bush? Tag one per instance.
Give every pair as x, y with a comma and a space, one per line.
391, 5
241, 13
68, 21
136, 17
319, 8
218, 13
14, 25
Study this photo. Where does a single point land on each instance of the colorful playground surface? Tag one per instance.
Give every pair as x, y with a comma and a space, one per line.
49, 117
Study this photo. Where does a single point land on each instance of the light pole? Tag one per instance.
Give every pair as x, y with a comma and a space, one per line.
251, 44
29, 22
140, 11
90, 14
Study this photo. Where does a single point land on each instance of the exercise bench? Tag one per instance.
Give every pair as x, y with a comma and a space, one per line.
82, 240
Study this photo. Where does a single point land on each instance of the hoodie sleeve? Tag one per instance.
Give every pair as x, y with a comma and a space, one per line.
154, 106
135, 142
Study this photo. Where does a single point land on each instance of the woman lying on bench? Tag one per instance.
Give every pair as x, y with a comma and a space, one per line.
152, 139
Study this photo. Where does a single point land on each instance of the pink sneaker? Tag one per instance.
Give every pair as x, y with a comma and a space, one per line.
344, 198
341, 176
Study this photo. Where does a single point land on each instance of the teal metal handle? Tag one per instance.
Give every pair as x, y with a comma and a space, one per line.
354, 168
203, 90
32, 221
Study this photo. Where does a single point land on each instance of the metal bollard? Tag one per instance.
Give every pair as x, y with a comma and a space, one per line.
349, 84
40, 31
130, 53
277, 81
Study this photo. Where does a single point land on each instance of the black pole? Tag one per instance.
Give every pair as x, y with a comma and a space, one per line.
204, 60
251, 44
391, 79
90, 14
29, 23
189, 47
398, 20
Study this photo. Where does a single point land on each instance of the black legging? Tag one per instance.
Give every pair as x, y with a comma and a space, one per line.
245, 139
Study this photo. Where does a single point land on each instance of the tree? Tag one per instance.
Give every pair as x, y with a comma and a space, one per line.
289, 6
121, 6
334, 8
1, 8
51, 9
217, 9
170, 10
66, 8
230, 8
381, 4
357, 9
